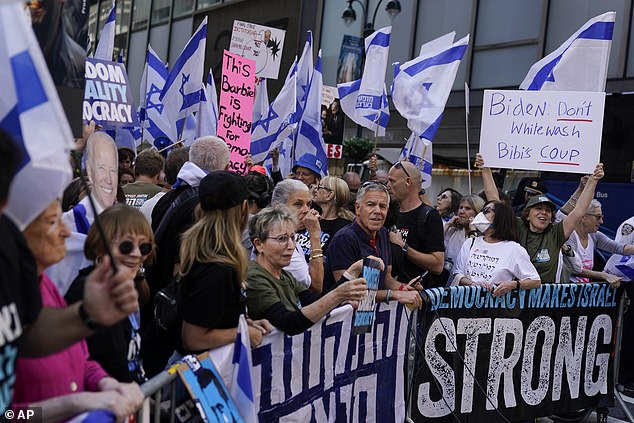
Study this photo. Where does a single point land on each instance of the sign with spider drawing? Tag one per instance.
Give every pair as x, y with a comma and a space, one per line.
260, 43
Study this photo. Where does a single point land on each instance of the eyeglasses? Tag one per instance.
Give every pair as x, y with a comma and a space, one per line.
126, 247
597, 216
400, 165
487, 210
283, 239
323, 187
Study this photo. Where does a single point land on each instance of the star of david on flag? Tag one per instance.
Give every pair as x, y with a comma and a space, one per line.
182, 91
280, 120
32, 115
153, 113
580, 63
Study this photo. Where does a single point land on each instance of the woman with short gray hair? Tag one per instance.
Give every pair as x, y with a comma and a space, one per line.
273, 293
306, 265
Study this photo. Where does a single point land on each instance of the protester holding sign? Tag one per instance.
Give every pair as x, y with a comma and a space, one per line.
495, 261
537, 233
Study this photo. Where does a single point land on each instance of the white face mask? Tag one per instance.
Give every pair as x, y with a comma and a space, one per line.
480, 222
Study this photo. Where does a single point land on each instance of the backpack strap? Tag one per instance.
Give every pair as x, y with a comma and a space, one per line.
180, 199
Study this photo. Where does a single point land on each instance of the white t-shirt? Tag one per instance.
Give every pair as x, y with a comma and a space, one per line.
585, 254
454, 238
625, 235
298, 267
502, 261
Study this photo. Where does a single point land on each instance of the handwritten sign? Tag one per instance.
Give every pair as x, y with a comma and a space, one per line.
262, 44
235, 109
557, 131
107, 99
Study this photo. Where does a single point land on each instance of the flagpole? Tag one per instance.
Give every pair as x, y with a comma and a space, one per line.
466, 94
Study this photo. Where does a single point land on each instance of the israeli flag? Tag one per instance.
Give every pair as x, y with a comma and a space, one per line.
32, 115
422, 86
153, 113
348, 92
304, 75
579, 64
187, 129
105, 46
279, 122
309, 137
418, 151
241, 388
261, 101
182, 91
208, 109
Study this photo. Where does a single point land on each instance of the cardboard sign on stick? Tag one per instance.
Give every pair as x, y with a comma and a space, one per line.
555, 131
235, 111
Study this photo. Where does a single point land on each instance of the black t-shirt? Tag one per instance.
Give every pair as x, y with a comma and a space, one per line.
20, 300
209, 297
431, 240
328, 230
110, 346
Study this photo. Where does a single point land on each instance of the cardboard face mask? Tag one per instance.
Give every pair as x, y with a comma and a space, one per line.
102, 166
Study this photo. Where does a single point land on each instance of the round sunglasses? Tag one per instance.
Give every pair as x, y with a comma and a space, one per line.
126, 247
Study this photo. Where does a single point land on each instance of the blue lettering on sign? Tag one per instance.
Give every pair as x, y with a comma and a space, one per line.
500, 105
583, 110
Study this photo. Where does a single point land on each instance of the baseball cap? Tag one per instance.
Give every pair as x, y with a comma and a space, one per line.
222, 190
540, 199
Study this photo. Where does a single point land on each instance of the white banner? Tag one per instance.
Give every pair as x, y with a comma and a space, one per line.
555, 131
260, 43
327, 374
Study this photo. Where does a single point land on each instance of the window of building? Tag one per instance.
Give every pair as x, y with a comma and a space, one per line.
140, 14
183, 8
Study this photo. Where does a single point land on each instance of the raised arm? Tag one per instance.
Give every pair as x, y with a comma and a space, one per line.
581, 206
490, 189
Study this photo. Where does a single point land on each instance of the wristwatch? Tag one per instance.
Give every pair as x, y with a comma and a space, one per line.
405, 248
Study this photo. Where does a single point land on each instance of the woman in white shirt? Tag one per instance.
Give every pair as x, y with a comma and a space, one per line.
457, 230
495, 261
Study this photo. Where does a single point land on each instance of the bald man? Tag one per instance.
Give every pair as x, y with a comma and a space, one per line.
418, 241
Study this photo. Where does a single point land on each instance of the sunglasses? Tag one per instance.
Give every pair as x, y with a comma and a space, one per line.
126, 247
400, 165
443, 197
486, 210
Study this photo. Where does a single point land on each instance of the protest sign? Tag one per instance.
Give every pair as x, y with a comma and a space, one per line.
332, 116
334, 151
107, 99
555, 131
522, 355
327, 373
236, 107
261, 44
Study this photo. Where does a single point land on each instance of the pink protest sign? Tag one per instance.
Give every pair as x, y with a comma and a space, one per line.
236, 106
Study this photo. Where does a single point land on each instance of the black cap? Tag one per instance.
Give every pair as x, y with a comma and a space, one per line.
535, 187
222, 190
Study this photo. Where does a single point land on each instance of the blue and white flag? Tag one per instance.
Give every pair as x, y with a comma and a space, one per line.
422, 86
348, 92
208, 109
279, 122
261, 101
579, 64
182, 91
309, 136
304, 74
105, 46
32, 115
241, 388
153, 113
418, 151
187, 129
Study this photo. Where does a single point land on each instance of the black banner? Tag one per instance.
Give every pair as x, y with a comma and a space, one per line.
519, 356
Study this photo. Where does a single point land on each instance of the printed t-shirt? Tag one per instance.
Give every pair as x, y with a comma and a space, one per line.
543, 248
502, 261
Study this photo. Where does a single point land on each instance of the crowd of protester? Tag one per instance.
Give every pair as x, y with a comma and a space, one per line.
284, 251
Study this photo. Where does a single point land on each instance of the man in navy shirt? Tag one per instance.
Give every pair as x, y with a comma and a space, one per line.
366, 236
